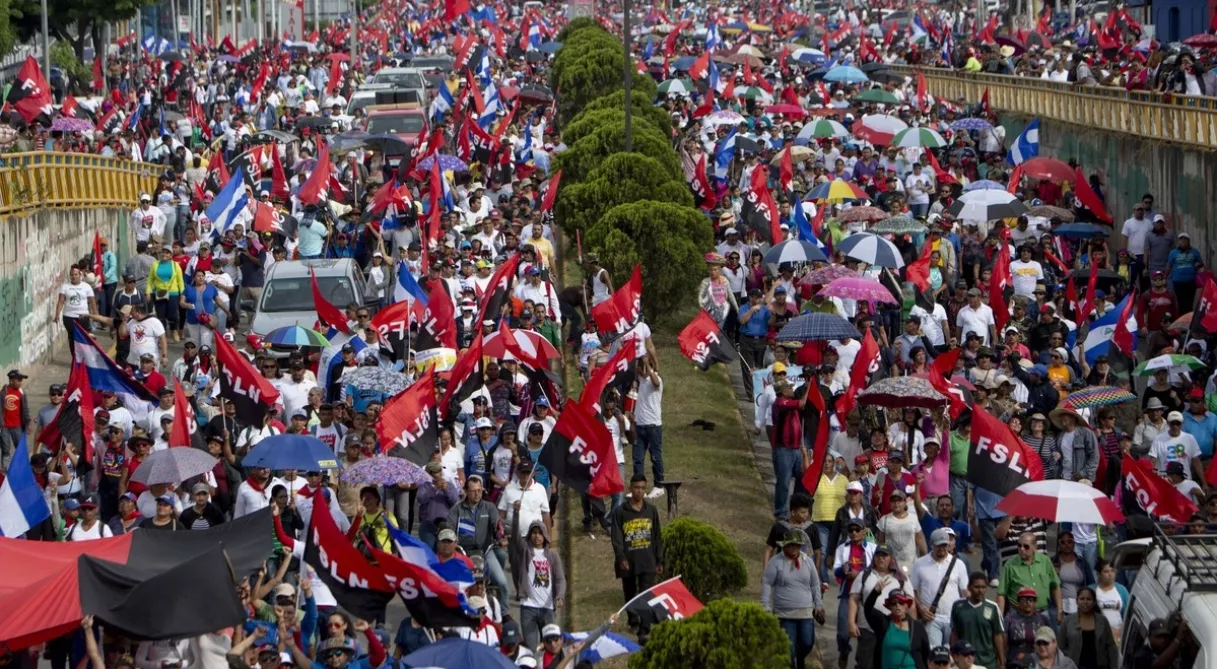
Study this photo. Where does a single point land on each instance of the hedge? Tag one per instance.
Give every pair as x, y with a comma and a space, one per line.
621, 179
723, 635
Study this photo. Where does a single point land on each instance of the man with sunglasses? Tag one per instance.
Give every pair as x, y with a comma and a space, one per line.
1031, 570
1199, 422
48, 412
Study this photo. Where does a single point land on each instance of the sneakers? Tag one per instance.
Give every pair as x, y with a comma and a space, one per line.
655, 493
993, 583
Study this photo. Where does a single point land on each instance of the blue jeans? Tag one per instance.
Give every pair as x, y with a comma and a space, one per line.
991, 561
787, 465
959, 495
939, 632
823, 529
843, 623
919, 210
1089, 553
649, 439
617, 499
494, 559
802, 633
428, 533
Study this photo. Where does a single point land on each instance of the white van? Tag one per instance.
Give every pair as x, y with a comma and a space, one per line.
1175, 573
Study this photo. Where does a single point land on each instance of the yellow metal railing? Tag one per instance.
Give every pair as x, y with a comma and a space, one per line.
45, 179
1182, 119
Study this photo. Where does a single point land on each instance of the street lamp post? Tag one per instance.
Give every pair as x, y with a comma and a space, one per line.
625, 22
46, 45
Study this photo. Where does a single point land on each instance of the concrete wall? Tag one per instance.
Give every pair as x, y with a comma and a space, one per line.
1179, 178
35, 252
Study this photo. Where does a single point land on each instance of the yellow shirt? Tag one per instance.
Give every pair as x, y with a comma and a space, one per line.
829, 497
972, 65
546, 249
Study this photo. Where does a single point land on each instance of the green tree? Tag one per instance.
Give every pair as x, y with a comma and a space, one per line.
622, 178
63, 57
724, 635
592, 74
577, 25
8, 31
705, 558
73, 21
643, 107
589, 119
586, 154
668, 239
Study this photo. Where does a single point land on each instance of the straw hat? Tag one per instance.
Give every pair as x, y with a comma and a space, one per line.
1060, 412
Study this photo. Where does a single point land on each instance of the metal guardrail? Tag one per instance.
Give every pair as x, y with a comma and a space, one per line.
45, 179
1181, 119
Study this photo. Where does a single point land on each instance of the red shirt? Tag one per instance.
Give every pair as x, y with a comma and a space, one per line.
884, 502
134, 486
154, 382
12, 407
788, 423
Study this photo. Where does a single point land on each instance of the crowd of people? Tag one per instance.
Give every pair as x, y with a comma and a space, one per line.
913, 548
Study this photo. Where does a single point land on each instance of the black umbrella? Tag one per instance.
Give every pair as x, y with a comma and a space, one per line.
271, 136
315, 122
387, 144
1105, 277
536, 56
747, 144
534, 93
872, 67
171, 56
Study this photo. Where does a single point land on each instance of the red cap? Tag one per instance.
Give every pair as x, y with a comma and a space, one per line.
1196, 393
1027, 592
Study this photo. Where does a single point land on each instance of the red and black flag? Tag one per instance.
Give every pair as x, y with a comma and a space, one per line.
241, 384
498, 291
408, 421
611, 374
465, 379
580, 453
357, 585
999, 461
327, 313
217, 173
73, 423
669, 600
437, 328
185, 430
392, 324
702, 341
621, 312
30, 94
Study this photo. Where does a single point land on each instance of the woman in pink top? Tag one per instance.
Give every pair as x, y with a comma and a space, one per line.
933, 475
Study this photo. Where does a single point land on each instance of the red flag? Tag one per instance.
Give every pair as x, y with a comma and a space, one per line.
603, 376
621, 312
267, 218
668, 600
463, 379
984, 102
1071, 296
99, 79
940, 175
551, 192
1154, 494
498, 291
1016, 177
989, 36
30, 94
335, 76
702, 341
73, 423
700, 66
1089, 199
1123, 336
185, 430
786, 171
890, 34
1085, 308
918, 271
865, 362
764, 199
940, 378
1204, 317
997, 286
1058, 262
98, 266
408, 420
278, 177
328, 313
819, 447
259, 82
581, 454
707, 198
317, 184
923, 94
217, 172
999, 460
69, 107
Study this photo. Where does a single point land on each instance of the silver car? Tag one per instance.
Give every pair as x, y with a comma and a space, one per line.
287, 295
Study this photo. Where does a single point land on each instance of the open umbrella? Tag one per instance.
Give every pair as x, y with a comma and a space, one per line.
724, 117
376, 379
826, 275
753, 93
1061, 501
879, 128
822, 128
972, 123
872, 250
786, 109
446, 163
269, 136
173, 465
805, 56
863, 214
530, 341
387, 144
898, 225
983, 184
794, 250
858, 288
818, 327
682, 87
987, 205
837, 190
536, 94
66, 124
899, 392
797, 153
1106, 277
295, 335
1052, 169
550, 47
457, 653
384, 471
918, 137
877, 96
846, 75
1048, 211
1098, 396
1167, 362
1081, 231
291, 451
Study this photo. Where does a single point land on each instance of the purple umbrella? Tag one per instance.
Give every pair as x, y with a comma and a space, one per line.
228, 59
445, 163
965, 124
384, 470
65, 124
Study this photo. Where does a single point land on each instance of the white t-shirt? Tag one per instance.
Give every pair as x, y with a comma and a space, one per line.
453, 462
99, 531
76, 299
533, 503
1136, 231
1186, 486
295, 395
918, 188
901, 535
639, 334
932, 323
1112, 606
1026, 275
649, 410
541, 578
331, 437
975, 320
926, 577
1166, 449
145, 337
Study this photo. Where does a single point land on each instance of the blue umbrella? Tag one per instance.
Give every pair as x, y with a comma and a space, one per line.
846, 74
445, 163
737, 25
1081, 230
871, 249
550, 47
818, 327
684, 63
291, 451
983, 184
457, 653
965, 124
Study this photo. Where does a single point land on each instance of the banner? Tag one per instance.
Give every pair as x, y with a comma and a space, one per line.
1154, 494
240, 383
30, 94
702, 341
621, 312
408, 420
580, 453
999, 461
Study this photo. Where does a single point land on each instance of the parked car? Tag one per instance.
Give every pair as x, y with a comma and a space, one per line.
287, 295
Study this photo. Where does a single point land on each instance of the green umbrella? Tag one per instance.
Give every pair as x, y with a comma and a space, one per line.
676, 86
752, 93
922, 137
877, 95
898, 225
1168, 362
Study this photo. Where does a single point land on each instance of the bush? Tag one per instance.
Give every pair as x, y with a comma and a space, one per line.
669, 241
587, 121
580, 158
577, 25
723, 635
592, 74
643, 106
582, 44
621, 179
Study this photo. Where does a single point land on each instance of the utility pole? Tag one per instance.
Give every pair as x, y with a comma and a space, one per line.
177, 27
46, 46
354, 34
629, 75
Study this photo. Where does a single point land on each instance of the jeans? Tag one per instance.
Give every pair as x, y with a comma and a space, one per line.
802, 633
843, 624
167, 311
822, 529
496, 561
787, 465
107, 298
532, 621
752, 356
9, 438
649, 439
991, 561
200, 334
866, 650
403, 507
1089, 553
428, 533
939, 632
1185, 294
919, 210
631, 585
959, 495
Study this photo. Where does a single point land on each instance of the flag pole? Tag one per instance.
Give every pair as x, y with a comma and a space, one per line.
635, 597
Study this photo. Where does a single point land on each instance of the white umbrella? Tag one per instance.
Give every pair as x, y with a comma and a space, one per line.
725, 117
1061, 501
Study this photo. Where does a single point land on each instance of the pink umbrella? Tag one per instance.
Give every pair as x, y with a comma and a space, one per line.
858, 288
786, 110
1061, 501
957, 380
530, 341
826, 275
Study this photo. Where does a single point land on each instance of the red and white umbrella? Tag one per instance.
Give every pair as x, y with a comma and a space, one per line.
1061, 501
530, 341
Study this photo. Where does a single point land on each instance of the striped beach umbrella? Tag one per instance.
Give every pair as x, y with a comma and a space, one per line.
920, 137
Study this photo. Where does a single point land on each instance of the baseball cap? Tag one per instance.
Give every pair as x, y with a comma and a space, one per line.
883, 548
165, 499
859, 459
200, 487
550, 631
854, 486
1027, 592
1195, 394
511, 632
962, 647
447, 534
71, 505
483, 423
855, 522
1174, 417
1044, 633
285, 590
939, 537
940, 655
1158, 627
779, 368
14, 374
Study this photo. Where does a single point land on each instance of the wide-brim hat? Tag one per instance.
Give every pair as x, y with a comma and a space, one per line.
1056, 414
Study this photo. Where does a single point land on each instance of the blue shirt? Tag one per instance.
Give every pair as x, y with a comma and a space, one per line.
963, 531
477, 455
1204, 429
204, 302
311, 235
1183, 264
109, 268
757, 325
986, 503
